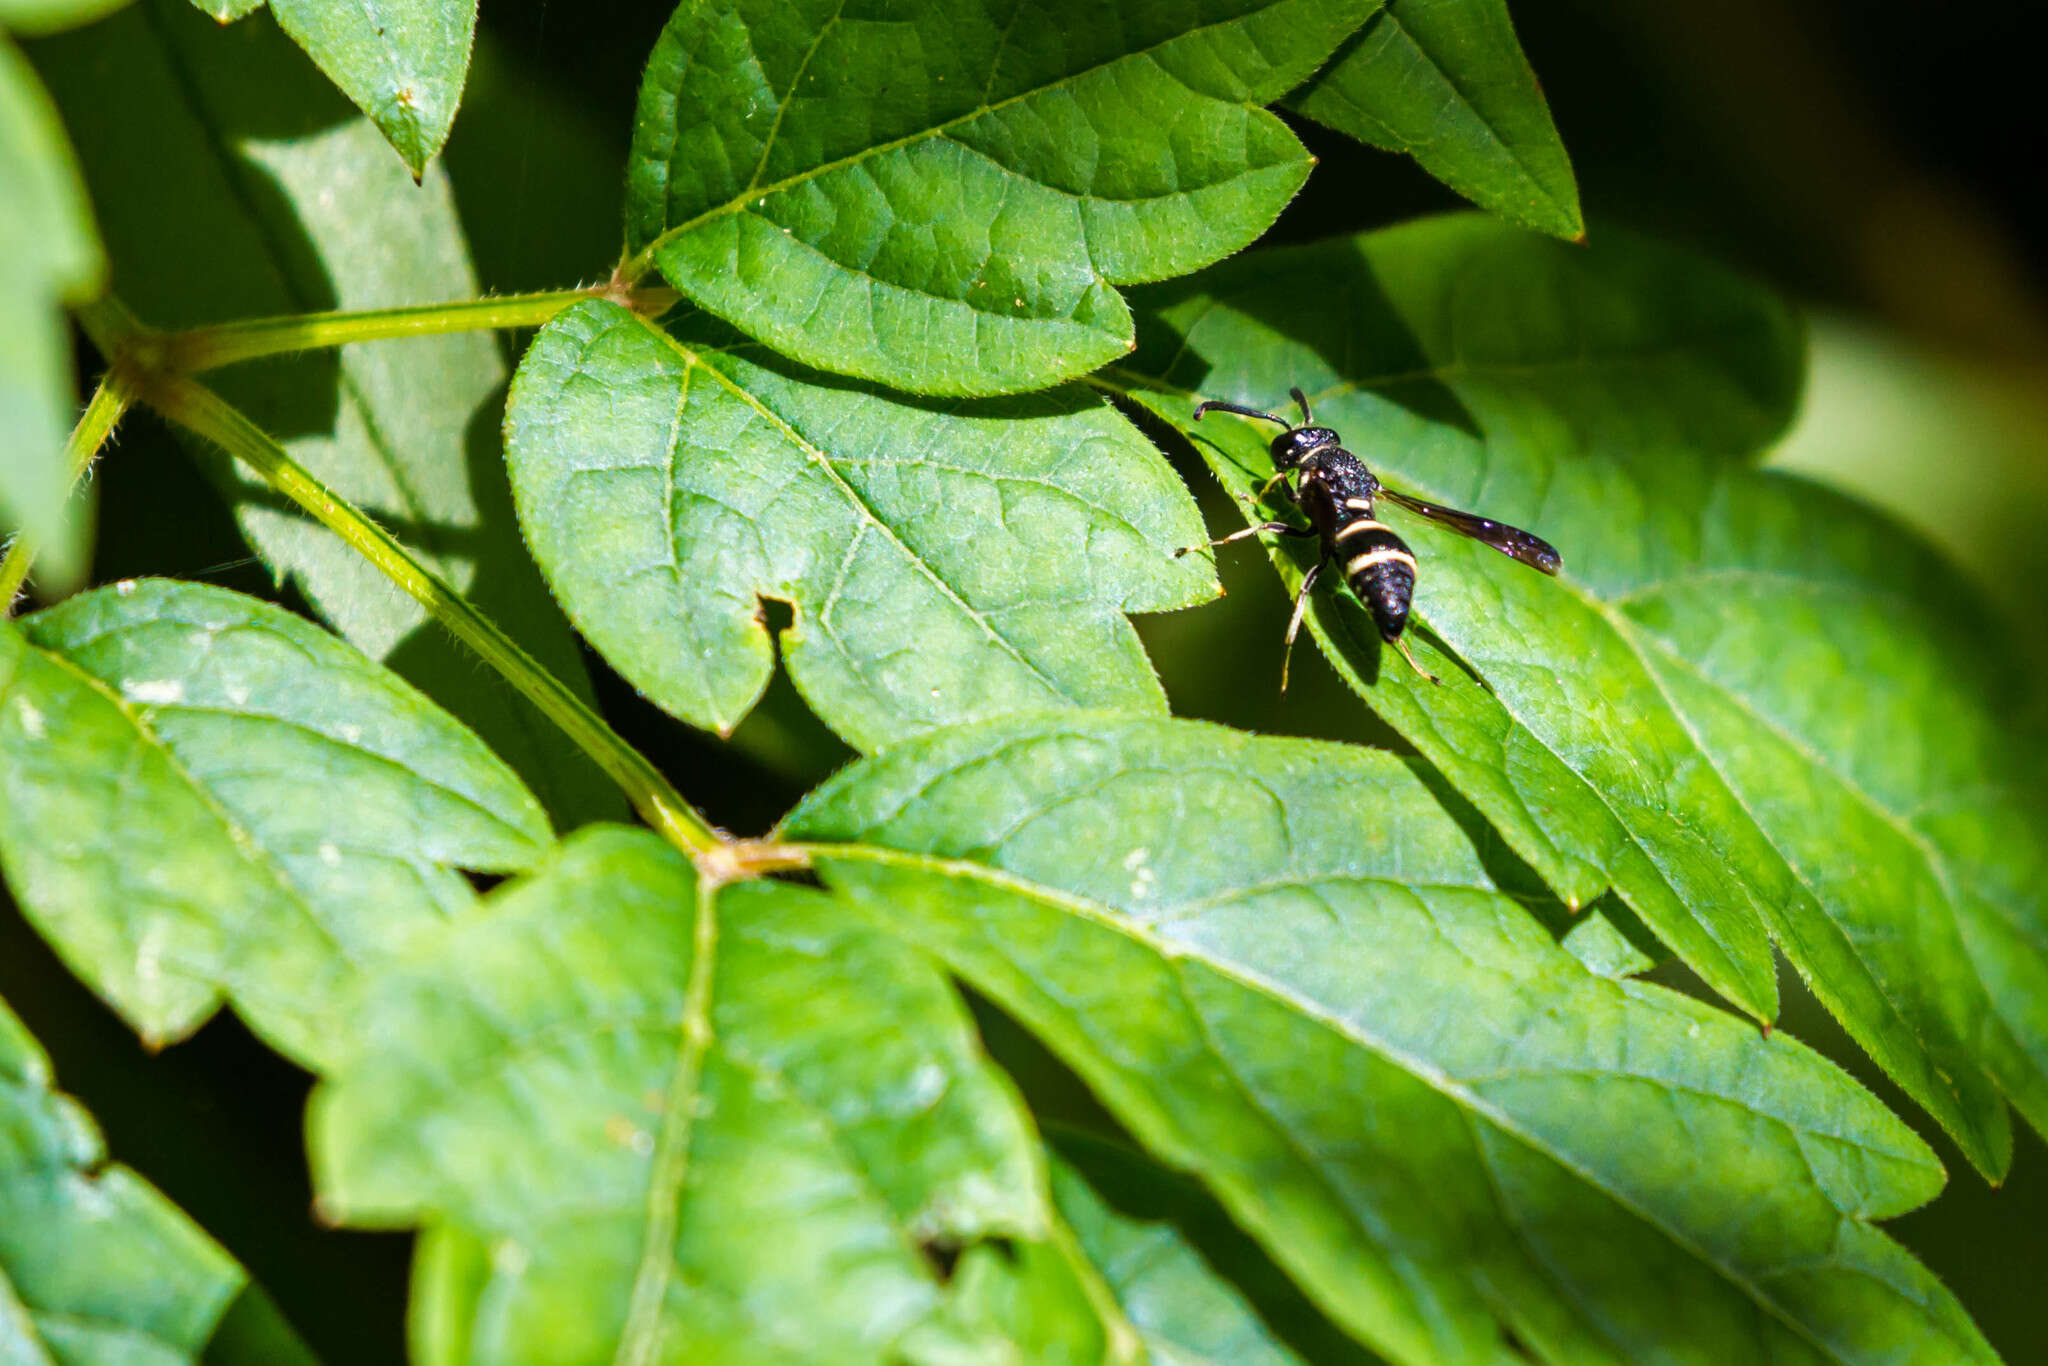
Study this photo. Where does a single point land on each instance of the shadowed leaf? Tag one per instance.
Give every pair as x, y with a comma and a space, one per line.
235, 185
95, 1264
1446, 82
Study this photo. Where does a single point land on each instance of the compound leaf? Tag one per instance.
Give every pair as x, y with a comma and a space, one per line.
1727, 706
943, 198
210, 796
1281, 965
49, 254
693, 1124
1445, 82
945, 562
95, 1264
234, 185
402, 62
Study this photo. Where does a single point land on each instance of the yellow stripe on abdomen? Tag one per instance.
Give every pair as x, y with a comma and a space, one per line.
1358, 564
1362, 524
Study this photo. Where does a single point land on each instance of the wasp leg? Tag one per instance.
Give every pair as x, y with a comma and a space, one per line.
1402, 646
1266, 489
1277, 528
1308, 583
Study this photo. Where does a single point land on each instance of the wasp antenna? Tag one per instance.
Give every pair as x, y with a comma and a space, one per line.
1301, 402
1219, 406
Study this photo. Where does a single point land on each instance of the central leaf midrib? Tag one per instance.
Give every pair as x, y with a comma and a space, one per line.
647, 254
1431, 1076
671, 1165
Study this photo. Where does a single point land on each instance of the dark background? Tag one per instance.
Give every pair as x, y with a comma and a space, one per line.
1879, 162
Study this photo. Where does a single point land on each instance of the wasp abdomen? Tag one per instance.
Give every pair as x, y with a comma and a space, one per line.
1381, 571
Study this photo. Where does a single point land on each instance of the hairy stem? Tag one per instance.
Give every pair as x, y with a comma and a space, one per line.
204, 412
209, 348
95, 425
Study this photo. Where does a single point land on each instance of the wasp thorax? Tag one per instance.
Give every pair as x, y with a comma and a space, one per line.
1296, 444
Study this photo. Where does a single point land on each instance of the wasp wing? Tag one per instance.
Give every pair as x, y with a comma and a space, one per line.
1510, 541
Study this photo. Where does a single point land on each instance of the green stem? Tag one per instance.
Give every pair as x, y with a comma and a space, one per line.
208, 348
204, 412
108, 403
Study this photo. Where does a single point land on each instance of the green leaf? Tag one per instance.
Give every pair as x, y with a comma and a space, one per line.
402, 62
95, 1264
30, 17
234, 185
208, 796
1749, 705
944, 562
49, 254
691, 1124
943, 200
1153, 1234
1281, 965
1445, 82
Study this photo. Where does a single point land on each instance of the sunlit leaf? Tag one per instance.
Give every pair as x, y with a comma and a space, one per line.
943, 198
944, 561
692, 1124
401, 61
207, 796
233, 184
1281, 965
49, 253
95, 1264
1446, 82
1749, 705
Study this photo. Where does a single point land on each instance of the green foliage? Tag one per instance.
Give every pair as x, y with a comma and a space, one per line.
95, 1265
48, 253
694, 1125
1316, 1052
231, 184
1745, 748
944, 203
1233, 940
667, 480
170, 755
401, 61
1446, 82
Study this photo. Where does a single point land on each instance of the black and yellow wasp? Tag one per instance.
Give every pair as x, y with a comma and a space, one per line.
1338, 493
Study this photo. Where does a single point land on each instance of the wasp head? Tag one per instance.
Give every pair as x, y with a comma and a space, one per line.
1297, 444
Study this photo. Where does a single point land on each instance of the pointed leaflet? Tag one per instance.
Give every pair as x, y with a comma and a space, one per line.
944, 562
1280, 964
1749, 704
1446, 82
942, 198
692, 1124
95, 1264
207, 796
235, 185
49, 253
402, 62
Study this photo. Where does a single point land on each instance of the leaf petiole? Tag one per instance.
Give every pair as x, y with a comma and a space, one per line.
109, 402
200, 349
193, 406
